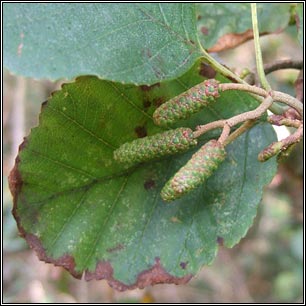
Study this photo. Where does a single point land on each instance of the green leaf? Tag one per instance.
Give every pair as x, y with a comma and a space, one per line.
133, 43
214, 20
300, 22
79, 208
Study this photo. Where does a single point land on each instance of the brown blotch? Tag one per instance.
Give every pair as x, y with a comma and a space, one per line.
148, 87
220, 241
146, 104
115, 248
148, 53
183, 265
149, 184
191, 41
154, 275
158, 101
204, 30
199, 17
65, 261
207, 71
140, 131
43, 105
231, 40
14, 179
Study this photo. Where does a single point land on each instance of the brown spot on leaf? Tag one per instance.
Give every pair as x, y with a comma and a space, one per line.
146, 104
183, 265
43, 105
231, 40
149, 87
158, 101
154, 275
199, 17
149, 184
116, 248
191, 41
207, 71
140, 131
204, 30
65, 261
220, 241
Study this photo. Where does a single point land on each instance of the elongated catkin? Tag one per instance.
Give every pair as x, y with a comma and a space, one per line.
187, 103
198, 169
156, 146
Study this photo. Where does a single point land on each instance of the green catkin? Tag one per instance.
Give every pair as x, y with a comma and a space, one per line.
187, 103
156, 146
198, 169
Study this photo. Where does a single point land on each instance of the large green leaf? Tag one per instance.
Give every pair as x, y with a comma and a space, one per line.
80, 209
129, 42
217, 19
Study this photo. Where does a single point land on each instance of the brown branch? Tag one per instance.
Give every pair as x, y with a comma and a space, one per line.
281, 120
252, 77
243, 128
283, 64
228, 123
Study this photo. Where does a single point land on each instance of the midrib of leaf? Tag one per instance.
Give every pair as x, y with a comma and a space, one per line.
164, 25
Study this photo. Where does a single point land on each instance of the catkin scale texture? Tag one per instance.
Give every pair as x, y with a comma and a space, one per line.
198, 169
156, 146
187, 103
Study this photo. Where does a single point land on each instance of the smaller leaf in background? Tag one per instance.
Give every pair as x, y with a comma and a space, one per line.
225, 25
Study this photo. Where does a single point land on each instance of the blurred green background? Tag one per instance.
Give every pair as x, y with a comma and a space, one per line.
266, 266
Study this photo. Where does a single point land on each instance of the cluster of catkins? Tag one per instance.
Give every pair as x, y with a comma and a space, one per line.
201, 165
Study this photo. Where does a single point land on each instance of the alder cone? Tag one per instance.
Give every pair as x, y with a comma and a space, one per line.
198, 169
187, 103
156, 146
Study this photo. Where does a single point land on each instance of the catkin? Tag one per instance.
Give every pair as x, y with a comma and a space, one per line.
156, 146
187, 103
198, 169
